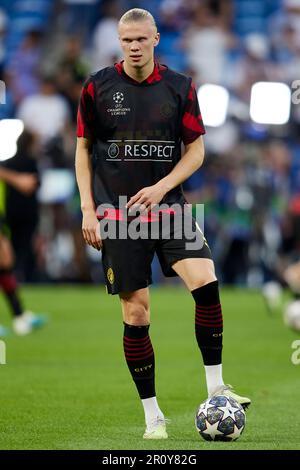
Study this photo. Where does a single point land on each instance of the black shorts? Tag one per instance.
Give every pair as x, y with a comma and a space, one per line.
127, 262
3, 225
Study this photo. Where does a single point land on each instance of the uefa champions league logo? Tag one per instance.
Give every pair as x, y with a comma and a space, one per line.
118, 97
118, 109
113, 150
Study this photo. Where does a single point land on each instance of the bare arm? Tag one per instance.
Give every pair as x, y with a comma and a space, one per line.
188, 164
26, 183
90, 224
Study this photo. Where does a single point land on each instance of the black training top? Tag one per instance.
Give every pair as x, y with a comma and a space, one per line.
137, 129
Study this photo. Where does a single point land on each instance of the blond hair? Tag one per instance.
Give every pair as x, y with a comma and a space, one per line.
137, 14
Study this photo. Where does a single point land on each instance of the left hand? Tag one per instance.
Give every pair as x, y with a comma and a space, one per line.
146, 198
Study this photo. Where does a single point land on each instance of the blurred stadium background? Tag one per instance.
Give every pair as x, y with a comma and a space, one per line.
250, 182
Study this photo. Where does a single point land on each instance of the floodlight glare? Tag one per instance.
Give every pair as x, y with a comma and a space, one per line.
213, 100
270, 103
10, 131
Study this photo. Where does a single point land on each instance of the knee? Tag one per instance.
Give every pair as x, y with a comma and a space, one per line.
136, 313
206, 278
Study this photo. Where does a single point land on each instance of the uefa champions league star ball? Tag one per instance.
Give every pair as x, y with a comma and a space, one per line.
118, 97
220, 418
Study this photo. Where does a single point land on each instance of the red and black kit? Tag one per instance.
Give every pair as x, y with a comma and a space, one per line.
136, 131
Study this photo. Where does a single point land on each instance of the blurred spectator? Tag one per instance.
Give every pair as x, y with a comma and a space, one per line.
23, 68
80, 16
106, 47
7, 109
207, 42
3, 22
22, 211
45, 113
71, 72
253, 66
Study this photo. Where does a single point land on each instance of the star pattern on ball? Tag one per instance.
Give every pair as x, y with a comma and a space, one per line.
220, 419
118, 97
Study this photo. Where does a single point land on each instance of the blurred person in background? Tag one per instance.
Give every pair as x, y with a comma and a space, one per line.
70, 72
24, 321
252, 66
45, 113
285, 271
106, 47
80, 16
3, 24
23, 66
22, 213
207, 40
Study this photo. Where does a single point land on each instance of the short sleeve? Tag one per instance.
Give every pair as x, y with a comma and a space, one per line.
192, 125
85, 115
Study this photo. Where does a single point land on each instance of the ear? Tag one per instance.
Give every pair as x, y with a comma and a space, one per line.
156, 40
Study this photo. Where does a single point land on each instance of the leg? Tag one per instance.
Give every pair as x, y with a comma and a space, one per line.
22, 241
195, 272
7, 279
139, 356
23, 322
199, 276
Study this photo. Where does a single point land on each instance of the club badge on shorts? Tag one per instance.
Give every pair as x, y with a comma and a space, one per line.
110, 276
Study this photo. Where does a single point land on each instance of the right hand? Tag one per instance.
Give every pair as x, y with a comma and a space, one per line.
26, 183
91, 229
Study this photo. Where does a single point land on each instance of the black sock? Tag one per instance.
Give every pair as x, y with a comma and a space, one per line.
9, 286
209, 323
140, 358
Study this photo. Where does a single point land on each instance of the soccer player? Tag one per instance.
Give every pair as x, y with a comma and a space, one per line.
23, 321
132, 120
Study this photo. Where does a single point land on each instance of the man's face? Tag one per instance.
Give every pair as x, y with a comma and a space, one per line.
138, 39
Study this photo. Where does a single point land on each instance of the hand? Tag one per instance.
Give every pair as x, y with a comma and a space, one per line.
146, 198
26, 183
91, 229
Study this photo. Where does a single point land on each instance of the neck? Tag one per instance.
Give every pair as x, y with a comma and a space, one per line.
139, 74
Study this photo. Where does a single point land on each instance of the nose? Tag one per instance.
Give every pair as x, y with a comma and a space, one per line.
135, 46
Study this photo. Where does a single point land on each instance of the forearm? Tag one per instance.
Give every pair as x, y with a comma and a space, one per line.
83, 170
190, 162
9, 176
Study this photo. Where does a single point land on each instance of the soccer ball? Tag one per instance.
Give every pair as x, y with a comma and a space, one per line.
220, 418
291, 315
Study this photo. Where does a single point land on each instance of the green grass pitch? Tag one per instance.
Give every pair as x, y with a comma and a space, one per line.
67, 386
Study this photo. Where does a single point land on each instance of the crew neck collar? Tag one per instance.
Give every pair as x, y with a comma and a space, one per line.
154, 77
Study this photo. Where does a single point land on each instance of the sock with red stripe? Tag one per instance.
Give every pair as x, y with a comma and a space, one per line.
139, 356
9, 286
209, 332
